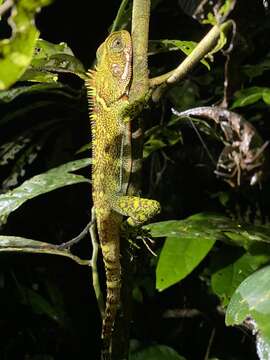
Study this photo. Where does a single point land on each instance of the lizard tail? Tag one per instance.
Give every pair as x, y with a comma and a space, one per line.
111, 257
112, 302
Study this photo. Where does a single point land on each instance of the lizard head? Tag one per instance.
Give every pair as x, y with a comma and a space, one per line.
114, 61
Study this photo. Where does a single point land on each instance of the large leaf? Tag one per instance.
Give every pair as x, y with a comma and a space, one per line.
158, 352
17, 51
227, 278
24, 245
202, 224
51, 58
179, 256
41, 184
9, 95
251, 303
189, 241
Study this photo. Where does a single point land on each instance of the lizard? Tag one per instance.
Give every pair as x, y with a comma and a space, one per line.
108, 86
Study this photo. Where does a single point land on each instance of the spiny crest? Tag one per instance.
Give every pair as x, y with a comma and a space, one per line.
91, 89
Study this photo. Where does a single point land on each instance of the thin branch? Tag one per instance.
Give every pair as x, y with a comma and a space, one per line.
202, 49
95, 277
12, 244
5, 6
75, 240
50, 249
213, 332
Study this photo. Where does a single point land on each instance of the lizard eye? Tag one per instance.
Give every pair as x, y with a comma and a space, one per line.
117, 44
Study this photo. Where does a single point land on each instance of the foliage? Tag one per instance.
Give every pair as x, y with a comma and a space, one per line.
250, 304
40, 184
212, 241
17, 51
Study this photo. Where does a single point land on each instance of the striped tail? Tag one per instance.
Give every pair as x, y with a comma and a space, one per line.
112, 302
110, 246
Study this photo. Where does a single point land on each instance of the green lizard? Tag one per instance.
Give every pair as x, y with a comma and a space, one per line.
108, 92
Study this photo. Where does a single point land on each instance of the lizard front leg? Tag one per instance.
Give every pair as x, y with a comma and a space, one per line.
138, 210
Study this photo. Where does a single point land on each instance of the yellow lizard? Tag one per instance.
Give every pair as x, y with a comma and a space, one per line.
108, 92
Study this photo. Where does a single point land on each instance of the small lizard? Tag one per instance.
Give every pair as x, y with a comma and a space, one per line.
108, 92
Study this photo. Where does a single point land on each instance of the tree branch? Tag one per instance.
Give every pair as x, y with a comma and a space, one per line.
43, 248
202, 49
139, 32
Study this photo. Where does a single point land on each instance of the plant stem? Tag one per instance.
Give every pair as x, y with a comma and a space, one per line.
95, 277
49, 249
139, 32
202, 49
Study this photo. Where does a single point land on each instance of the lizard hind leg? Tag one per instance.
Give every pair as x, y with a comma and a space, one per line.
138, 210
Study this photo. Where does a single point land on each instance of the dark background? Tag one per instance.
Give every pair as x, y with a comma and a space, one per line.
29, 327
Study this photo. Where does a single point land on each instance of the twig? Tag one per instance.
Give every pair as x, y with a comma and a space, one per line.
50, 249
69, 243
5, 6
95, 277
213, 332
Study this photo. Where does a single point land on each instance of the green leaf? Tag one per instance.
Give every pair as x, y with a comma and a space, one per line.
225, 280
17, 51
20, 242
158, 352
253, 71
223, 12
11, 94
199, 225
251, 303
226, 8
178, 257
24, 245
41, 76
123, 16
49, 58
250, 96
266, 96
247, 235
189, 241
213, 225
52, 305
39, 304
41, 184
152, 145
